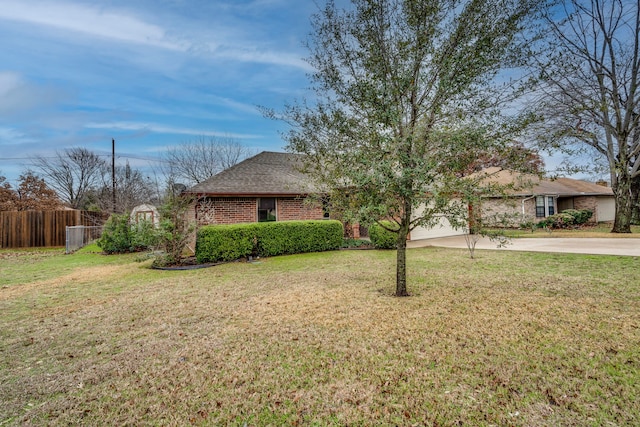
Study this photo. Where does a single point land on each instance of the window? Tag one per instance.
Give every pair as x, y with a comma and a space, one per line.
540, 207
266, 209
325, 208
545, 206
144, 216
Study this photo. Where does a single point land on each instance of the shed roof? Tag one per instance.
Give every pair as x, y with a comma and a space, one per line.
265, 174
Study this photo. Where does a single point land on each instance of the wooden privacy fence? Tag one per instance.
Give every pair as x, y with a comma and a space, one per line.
31, 229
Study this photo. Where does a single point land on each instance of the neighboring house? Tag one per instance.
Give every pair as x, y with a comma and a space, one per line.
533, 198
270, 187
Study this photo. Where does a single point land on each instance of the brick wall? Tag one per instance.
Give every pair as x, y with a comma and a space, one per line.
587, 202
234, 210
297, 208
506, 212
226, 210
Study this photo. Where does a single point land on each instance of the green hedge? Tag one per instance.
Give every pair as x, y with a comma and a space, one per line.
230, 242
383, 238
566, 218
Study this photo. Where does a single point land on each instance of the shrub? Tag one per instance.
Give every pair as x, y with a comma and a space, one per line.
144, 235
381, 237
566, 218
294, 237
559, 220
579, 216
225, 242
231, 242
528, 225
174, 230
120, 236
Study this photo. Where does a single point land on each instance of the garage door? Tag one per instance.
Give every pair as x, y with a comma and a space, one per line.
442, 229
606, 209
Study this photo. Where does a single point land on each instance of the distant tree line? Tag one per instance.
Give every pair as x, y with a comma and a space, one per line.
78, 178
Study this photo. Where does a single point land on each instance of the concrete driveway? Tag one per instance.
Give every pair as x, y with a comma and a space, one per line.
601, 246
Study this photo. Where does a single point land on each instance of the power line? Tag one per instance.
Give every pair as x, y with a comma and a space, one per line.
120, 156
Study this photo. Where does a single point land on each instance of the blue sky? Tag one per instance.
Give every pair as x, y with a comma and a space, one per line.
149, 73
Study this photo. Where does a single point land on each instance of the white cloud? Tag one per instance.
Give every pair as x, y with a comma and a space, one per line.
93, 21
241, 54
158, 128
8, 82
11, 136
18, 95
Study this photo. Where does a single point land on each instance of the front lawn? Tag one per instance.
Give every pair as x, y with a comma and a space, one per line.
510, 338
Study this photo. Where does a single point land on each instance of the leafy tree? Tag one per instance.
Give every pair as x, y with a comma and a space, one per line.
32, 194
196, 161
589, 97
8, 196
404, 87
72, 173
514, 156
35, 194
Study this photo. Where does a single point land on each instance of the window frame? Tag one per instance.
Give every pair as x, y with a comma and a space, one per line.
545, 205
267, 210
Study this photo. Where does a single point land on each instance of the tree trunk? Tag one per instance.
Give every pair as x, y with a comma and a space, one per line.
622, 192
635, 201
401, 262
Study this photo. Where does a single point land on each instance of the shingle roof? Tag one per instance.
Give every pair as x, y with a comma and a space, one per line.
563, 187
267, 173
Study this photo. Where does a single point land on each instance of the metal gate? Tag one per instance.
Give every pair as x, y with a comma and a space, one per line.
81, 235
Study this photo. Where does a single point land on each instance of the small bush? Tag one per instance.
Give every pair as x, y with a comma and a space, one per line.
528, 225
559, 220
121, 236
231, 242
383, 238
144, 235
565, 219
579, 216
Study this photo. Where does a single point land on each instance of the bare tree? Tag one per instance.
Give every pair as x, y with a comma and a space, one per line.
198, 160
72, 173
590, 92
132, 189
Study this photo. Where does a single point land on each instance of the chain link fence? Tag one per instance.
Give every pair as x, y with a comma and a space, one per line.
81, 235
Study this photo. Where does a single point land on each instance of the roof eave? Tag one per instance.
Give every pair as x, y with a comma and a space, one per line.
264, 194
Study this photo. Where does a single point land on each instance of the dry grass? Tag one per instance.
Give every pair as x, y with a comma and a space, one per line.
506, 339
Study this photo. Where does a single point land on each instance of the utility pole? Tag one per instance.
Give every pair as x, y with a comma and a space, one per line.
113, 172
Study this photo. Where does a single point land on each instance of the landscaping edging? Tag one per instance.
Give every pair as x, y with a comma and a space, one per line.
187, 267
